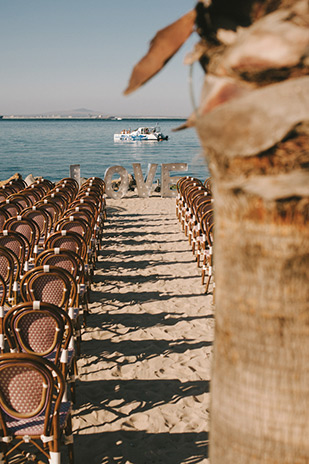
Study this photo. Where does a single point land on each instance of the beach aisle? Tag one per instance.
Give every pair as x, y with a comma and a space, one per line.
143, 393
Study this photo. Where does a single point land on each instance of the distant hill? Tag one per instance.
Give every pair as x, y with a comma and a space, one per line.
77, 113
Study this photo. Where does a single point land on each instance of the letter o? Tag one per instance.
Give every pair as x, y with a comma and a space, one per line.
124, 179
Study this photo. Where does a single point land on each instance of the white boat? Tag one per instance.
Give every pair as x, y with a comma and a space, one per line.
141, 134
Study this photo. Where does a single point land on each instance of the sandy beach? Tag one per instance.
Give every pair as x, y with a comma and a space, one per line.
144, 372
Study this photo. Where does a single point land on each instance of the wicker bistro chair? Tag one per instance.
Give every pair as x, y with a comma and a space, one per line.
71, 262
81, 226
17, 243
96, 197
4, 216
66, 191
3, 194
55, 285
91, 211
70, 241
82, 211
93, 198
52, 208
208, 231
182, 205
70, 185
11, 207
35, 191
32, 410
3, 294
48, 284
199, 234
96, 181
41, 217
10, 272
44, 222
22, 199
207, 184
57, 197
46, 330
75, 224
43, 186
8, 286
28, 229
198, 199
97, 210
181, 183
92, 188
193, 195
9, 188
92, 195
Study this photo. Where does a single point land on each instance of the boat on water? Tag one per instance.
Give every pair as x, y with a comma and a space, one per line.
141, 134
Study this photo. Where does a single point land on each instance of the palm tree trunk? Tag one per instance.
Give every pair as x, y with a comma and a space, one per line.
260, 378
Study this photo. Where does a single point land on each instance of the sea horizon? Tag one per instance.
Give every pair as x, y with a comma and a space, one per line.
84, 113
47, 147
96, 118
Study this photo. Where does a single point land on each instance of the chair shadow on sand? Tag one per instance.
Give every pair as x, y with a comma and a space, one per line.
139, 447
138, 395
126, 352
117, 400
133, 322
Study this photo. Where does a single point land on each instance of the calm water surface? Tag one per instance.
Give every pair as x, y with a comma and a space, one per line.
48, 147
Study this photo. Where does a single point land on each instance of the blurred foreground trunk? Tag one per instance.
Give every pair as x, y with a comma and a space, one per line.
257, 147
260, 377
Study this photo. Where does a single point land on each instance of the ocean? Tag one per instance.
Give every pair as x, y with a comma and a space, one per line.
47, 148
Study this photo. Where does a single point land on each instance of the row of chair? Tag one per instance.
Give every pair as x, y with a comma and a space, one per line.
47, 254
194, 209
27, 232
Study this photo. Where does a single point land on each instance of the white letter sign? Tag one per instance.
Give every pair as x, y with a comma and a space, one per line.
144, 189
167, 180
124, 179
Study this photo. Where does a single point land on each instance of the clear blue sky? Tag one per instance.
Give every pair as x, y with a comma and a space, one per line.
66, 54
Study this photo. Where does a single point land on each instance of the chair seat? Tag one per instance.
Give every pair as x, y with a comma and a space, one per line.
35, 425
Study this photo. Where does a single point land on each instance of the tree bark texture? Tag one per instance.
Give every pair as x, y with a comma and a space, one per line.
253, 123
260, 378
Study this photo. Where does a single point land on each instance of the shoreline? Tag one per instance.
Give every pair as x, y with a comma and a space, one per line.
90, 118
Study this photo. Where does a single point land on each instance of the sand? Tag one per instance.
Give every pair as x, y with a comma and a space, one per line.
144, 372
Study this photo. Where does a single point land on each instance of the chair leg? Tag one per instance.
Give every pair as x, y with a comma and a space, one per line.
3, 451
68, 439
72, 374
207, 284
209, 278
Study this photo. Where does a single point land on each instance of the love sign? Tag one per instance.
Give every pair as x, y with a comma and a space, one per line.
145, 186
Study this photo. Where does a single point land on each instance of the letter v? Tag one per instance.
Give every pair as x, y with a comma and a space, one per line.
144, 188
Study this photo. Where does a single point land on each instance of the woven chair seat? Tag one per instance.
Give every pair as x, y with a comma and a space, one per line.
35, 425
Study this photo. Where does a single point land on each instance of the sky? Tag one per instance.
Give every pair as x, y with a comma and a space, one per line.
60, 55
